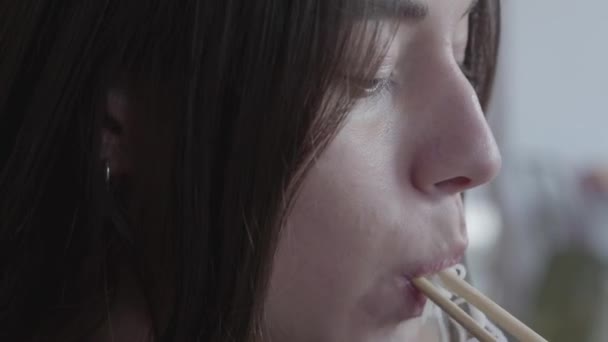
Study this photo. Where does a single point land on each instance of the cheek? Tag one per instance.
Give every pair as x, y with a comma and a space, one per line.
330, 240
344, 231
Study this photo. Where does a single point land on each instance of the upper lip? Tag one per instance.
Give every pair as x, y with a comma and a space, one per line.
447, 255
438, 264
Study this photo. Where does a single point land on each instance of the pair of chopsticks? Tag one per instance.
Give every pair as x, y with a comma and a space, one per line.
497, 314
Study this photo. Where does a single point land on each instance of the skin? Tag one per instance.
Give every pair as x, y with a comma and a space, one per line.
380, 205
383, 202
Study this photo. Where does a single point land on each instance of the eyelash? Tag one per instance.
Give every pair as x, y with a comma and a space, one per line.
382, 85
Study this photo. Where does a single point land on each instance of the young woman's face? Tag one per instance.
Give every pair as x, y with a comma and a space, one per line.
382, 203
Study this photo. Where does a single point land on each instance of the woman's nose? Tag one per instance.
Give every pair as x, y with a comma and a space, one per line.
454, 148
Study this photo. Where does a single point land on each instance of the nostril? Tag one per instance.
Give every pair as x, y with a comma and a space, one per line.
454, 184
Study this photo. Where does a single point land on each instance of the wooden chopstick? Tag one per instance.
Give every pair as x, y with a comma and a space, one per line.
497, 314
453, 310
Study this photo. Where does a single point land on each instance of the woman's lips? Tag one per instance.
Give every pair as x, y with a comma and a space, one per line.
415, 298
436, 266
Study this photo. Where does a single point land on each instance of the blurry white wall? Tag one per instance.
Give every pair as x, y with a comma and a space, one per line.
552, 85
549, 113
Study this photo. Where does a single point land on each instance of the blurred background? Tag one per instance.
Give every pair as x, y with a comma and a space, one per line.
539, 232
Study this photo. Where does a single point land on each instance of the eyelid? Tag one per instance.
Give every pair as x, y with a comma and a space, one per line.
386, 68
382, 84
384, 75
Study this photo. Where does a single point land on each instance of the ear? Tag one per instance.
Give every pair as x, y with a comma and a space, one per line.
116, 132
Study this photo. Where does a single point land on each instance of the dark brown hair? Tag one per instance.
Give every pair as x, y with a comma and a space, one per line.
229, 98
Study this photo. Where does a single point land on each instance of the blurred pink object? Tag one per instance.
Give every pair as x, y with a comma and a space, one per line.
595, 181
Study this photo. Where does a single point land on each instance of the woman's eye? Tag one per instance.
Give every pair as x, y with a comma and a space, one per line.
377, 86
374, 86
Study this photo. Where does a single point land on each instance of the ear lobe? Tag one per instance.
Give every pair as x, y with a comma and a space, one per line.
114, 132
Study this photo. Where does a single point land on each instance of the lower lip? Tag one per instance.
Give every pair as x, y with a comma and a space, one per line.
416, 299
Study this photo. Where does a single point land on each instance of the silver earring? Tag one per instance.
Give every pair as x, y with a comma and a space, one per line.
107, 173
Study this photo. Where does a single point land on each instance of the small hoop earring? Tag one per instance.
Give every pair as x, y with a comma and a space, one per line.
107, 173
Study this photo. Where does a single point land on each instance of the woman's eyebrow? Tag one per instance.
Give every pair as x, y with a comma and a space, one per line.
400, 9
406, 9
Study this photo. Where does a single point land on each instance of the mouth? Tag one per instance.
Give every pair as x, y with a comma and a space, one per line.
436, 265
416, 298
